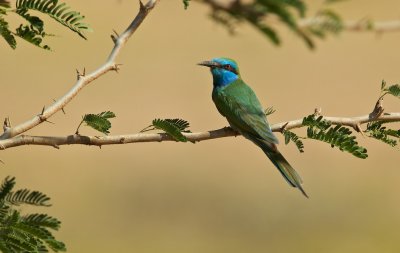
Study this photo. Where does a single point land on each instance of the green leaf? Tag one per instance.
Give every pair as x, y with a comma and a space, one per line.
338, 136
290, 136
332, 21
282, 10
269, 111
99, 121
28, 233
319, 122
181, 124
31, 35
224, 19
297, 4
393, 90
173, 127
186, 3
58, 11
6, 187
34, 21
4, 210
377, 131
39, 234
4, 247
56, 245
383, 85
41, 220
33, 231
18, 244
12, 218
279, 8
325, 22
25, 196
258, 13
6, 33
270, 33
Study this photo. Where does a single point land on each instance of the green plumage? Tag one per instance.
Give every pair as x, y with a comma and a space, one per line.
239, 104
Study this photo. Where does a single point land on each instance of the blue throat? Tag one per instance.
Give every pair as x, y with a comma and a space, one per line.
222, 77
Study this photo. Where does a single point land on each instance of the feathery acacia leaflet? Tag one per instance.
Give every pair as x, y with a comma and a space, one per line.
338, 136
393, 90
269, 111
25, 233
290, 136
377, 131
172, 127
289, 12
34, 32
58, 11
99, 122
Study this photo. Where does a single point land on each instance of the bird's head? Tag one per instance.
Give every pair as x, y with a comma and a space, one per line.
224, 70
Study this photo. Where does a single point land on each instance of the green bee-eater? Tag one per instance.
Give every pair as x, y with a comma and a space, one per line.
236, 101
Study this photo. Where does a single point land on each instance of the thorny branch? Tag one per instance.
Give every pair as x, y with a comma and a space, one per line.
56, 141
83, 79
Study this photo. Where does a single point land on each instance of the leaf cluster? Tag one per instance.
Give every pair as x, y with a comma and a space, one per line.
338, 136
325, 22
33, 31
269, 111
172, 127
323, 130
262, 14
25, 233
393, 90
290, 136
377, 131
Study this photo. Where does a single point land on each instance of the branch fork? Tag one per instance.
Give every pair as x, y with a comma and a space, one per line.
82, 79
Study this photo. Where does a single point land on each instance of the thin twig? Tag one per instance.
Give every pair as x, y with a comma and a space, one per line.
77, 129
84, 80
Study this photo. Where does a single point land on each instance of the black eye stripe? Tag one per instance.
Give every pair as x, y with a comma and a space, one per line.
229, 68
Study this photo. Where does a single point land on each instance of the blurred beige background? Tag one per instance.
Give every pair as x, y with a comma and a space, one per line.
214, 196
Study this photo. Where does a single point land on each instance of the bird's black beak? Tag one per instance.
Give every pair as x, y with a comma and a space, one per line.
210, 64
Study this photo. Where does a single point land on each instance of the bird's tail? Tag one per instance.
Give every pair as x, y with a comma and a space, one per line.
287, 171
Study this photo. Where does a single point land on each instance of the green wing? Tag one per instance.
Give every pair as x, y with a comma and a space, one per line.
239, 104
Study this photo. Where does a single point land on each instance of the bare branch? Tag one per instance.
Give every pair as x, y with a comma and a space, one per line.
56, 141
84, 80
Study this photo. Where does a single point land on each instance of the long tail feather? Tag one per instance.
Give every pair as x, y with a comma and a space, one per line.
287, 171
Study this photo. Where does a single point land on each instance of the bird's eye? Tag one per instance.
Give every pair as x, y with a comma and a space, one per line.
228, 67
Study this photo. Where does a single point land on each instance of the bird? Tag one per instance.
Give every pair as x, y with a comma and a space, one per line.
237, 102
